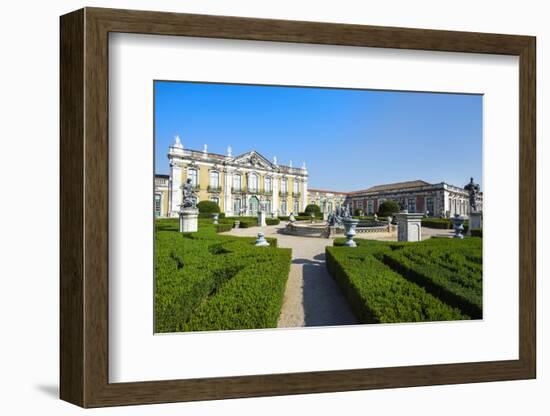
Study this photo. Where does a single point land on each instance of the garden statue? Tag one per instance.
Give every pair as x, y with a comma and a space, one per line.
473, 189
189, 195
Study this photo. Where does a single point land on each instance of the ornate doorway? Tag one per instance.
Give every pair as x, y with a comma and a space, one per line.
254, 205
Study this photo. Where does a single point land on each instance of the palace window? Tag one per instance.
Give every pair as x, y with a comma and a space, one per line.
283, 207
268, 206
268, 185
411, 205
430, 206
214, 180
296, 188
237, 182
192, 174
237, 206
296, 206
283, 185
157, 205
370, 206
216, 200
253, 183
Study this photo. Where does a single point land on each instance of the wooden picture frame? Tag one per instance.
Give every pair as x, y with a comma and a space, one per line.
84, 207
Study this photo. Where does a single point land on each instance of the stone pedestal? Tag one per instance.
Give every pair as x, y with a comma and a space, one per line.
350, 224
475, 222
261, 219
409, 226
291, 217
189, 220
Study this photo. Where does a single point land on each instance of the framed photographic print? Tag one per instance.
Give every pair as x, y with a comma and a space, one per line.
255, 207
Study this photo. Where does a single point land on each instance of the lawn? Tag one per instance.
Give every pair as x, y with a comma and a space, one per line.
433, 280
206, 281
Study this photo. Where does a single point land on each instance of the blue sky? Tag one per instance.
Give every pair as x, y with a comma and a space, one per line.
349, 139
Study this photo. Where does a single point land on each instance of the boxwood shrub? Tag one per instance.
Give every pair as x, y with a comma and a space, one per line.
197, 275
272, 221
377, 294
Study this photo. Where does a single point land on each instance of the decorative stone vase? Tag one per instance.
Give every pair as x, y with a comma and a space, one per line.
458, 224
236, 224
215, 217
349, 225
261, 241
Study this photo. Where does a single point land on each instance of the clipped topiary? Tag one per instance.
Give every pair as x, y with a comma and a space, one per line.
313, 209
388, 208
209, 207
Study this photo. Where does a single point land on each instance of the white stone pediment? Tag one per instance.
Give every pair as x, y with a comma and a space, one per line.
253, 160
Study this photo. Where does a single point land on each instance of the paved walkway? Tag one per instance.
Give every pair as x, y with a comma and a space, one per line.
312, 298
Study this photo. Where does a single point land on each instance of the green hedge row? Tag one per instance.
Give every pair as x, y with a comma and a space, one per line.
377, 294
477, 232
195, 274
221, 228
441, 223
272, 221
208, 215
447, 268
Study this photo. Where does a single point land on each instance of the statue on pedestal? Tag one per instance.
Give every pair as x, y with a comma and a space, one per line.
473, 189
189, 199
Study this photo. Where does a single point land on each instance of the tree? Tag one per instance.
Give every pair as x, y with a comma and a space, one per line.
208, 207
313, 209
388, 209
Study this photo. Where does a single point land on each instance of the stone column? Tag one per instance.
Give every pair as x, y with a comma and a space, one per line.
304, 194
409, 226
175, 191
228, 194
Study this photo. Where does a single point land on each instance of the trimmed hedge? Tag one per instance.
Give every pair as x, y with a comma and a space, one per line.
441, 223
388, 209
376, 293
312, 209
222, 228
450, 269
208, 215
272, 221
199, 274
477, 232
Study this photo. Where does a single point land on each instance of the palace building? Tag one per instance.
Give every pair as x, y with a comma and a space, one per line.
243, 184
434, 200
240, 185
328, 201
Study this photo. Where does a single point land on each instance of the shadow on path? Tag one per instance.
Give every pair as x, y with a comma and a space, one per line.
323, 302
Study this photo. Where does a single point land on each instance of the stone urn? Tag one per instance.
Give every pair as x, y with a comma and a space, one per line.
215, 218
261, 241
458, 225
349, 226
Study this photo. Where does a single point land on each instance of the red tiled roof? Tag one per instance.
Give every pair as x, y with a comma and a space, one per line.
393, 186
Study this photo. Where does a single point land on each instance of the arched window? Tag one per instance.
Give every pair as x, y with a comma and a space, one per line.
237, 182
253, 183
268, 187
283, 185
237, 206
283, 207
214, 180
192, 174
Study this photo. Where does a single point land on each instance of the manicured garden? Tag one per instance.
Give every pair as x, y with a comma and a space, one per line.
207, 281
433, 280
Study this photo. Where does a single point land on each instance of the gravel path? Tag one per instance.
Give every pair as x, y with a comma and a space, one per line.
312, 298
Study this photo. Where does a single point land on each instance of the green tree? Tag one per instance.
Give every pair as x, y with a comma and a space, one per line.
208, 207
388, 208
313, 209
